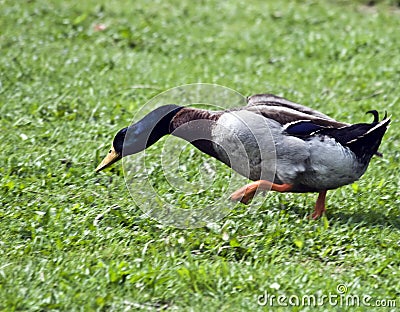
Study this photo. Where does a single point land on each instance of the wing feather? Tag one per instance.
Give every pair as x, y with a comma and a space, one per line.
285, 111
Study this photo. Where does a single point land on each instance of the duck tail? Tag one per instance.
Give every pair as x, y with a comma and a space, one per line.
367, 144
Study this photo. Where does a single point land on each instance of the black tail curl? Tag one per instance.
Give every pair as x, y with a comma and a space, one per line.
376, 115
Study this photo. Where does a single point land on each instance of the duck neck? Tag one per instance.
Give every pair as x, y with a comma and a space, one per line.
160, 121
149, 129
195, 126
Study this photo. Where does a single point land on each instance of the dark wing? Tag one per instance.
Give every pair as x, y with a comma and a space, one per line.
303, 128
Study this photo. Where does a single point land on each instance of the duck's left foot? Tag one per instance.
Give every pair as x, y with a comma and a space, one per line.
319, 206
246, 193
316, 215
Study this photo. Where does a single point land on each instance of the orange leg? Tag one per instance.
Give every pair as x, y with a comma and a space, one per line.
246, 193
319, 206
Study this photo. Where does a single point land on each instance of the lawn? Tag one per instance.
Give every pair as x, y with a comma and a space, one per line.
72, 73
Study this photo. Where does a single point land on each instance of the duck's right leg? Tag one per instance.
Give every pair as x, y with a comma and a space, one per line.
246, 193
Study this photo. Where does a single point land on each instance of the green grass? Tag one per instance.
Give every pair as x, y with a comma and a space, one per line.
73, 240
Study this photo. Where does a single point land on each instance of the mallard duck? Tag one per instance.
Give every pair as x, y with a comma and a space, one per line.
278, 144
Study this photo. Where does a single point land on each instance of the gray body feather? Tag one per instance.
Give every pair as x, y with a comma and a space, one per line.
258, 148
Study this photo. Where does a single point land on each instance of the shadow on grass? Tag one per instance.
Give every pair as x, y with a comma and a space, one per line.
369, 218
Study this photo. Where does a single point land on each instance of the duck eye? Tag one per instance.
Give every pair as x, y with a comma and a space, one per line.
109, 151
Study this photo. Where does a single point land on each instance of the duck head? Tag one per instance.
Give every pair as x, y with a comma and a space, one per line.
139, 136
115, 152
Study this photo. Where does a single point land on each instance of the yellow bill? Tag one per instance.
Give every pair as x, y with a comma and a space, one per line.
111, 158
